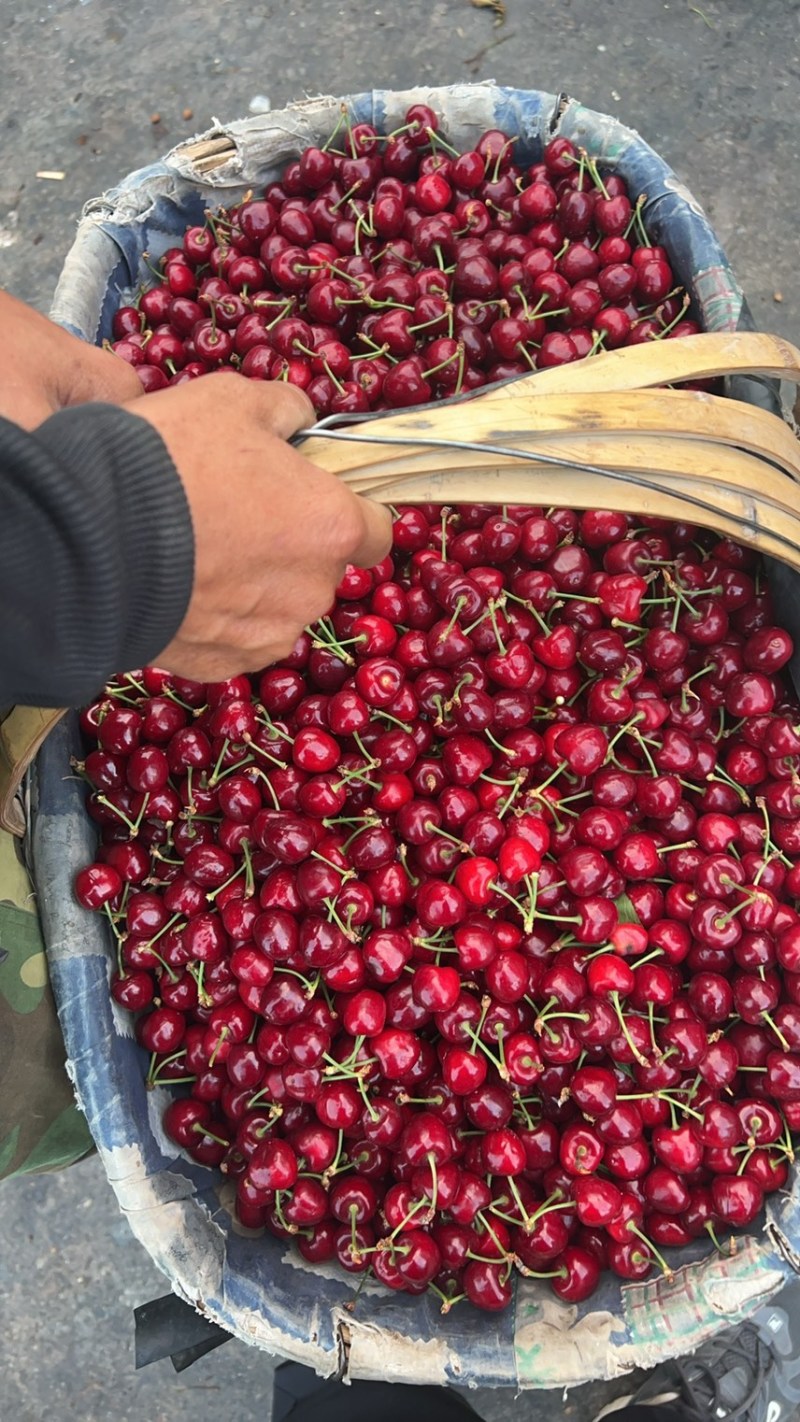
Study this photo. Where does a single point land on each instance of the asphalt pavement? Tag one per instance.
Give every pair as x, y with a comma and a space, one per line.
92, 89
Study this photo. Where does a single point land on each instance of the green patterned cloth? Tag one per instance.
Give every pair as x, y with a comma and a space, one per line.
41, 1128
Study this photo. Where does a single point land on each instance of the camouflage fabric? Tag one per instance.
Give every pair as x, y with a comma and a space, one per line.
41, 1128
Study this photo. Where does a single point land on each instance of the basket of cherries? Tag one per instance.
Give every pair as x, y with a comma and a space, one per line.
454, 961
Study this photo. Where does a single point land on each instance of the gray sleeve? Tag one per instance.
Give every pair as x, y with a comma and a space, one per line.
96, 553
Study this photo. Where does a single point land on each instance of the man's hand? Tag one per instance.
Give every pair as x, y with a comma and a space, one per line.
44, 369
273, 533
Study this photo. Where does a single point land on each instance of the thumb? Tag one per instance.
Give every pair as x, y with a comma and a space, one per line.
376, 540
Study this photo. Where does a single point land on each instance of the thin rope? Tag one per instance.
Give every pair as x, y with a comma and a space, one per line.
621, 476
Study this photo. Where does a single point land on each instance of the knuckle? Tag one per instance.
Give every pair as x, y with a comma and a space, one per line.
346, 528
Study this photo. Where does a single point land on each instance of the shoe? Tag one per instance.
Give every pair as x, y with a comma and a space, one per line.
300, 1396
750, 1373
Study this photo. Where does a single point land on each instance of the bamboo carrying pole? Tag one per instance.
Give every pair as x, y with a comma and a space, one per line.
597, 434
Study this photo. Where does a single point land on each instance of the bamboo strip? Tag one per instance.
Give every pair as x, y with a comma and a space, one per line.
756, 523
678, 414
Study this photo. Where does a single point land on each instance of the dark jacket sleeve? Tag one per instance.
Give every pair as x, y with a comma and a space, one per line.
96, 553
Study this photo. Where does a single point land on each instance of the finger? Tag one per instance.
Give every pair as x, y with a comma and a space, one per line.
283, 408
95, 375
377, 537
113, 380
278, 407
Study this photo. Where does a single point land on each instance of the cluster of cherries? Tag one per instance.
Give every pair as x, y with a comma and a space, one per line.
393, 271
468, 934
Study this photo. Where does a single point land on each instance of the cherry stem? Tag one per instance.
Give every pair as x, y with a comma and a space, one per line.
615, 998
651, 1025
493, 615
638, 220
669, 1274
685, 304
435, 1178
278, 1207
197, 971
487, 1224
311, 984
273, 796
641, 741
447, 1302
506, 804
528, 605
747, 1152
474, 1033
118, 695
712, 1234
167, 926
246, 868
201, 1130
276, 732
273, 759
223, 1033
786, 1140
362, 1091
527, 916
527, 1221
535, 1273
719, 774
769, 846
775, 1028
445, 834
461, 363
334, 917
156, 1066
334, 1165
412, 1213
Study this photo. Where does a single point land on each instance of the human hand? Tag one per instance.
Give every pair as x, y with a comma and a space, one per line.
273, 533
43, 369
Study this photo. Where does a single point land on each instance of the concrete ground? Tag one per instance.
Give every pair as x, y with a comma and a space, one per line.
713, 85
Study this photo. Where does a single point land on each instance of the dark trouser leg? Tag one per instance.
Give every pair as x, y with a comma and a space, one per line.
300, 1396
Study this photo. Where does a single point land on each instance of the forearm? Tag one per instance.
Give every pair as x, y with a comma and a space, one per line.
96, 553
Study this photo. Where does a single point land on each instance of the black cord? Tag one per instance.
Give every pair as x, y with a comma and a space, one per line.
621, 476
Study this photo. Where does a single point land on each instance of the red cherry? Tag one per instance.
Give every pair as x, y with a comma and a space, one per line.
597, 1201
487, 1285
97, 885
737, 1199
579, 1275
